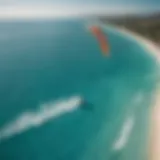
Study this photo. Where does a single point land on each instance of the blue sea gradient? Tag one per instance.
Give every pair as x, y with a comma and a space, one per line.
48, 69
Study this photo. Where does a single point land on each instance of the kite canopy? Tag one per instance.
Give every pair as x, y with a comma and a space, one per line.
101, 37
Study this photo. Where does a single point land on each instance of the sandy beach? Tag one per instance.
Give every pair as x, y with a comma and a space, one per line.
154, 139
154, 152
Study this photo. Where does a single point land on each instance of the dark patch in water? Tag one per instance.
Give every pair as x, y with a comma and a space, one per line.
87, 106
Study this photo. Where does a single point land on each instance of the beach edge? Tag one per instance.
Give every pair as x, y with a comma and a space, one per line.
154, 133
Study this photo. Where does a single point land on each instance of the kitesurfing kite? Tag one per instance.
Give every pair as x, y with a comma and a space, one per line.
101, 37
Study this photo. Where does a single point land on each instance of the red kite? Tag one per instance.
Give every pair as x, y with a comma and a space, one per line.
98, 33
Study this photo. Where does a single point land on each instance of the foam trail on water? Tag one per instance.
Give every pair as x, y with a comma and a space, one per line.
124, 134
46, 112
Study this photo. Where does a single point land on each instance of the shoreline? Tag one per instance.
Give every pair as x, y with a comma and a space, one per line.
149, 45
154, 134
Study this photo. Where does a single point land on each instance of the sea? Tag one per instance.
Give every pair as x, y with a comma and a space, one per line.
62, 99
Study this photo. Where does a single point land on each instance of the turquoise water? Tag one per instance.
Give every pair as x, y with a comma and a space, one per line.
52, 64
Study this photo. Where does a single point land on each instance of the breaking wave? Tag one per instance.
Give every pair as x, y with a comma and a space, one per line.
46, 112
124, 134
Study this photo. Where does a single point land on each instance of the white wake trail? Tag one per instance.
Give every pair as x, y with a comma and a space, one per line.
46, 112
125, 132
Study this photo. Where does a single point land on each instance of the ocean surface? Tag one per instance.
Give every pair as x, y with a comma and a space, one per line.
48, 68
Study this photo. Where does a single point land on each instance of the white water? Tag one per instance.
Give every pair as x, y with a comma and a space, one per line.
124, 135
47, 111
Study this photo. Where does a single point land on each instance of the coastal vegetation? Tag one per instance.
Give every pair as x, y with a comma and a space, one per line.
145, 25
